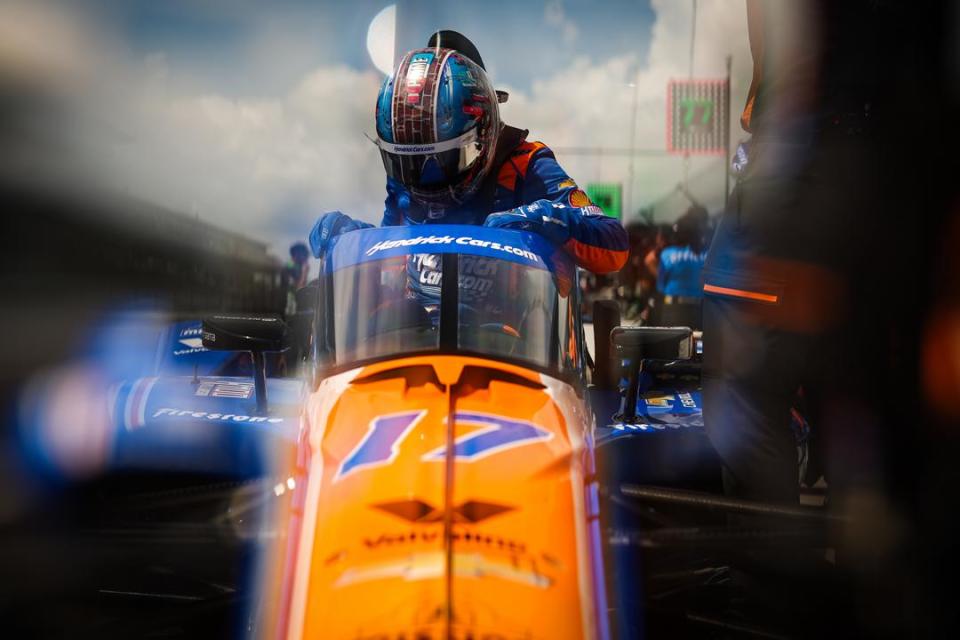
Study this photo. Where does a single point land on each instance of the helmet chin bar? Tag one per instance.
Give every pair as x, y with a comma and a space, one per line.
437, 203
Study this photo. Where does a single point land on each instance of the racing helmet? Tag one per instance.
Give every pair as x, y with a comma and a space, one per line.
438, 120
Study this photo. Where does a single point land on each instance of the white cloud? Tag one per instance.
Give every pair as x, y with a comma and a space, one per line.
254, 164
589, 104
267, 165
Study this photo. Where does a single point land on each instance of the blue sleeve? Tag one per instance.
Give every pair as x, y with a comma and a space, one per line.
392, 215
597, 242
397, 202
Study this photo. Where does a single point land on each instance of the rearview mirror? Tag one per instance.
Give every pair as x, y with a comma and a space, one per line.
247, 332
634, 345
244, 332
661, 343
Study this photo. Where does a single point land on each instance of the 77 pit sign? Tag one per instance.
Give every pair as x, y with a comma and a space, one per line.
697, 116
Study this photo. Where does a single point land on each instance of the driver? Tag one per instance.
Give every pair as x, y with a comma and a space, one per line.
449, 159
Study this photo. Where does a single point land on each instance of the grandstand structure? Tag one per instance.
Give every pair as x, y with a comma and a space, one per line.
110, 246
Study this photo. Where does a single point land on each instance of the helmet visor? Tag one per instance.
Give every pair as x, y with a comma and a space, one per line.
432, 166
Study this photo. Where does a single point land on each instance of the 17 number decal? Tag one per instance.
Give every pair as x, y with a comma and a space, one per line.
381, 444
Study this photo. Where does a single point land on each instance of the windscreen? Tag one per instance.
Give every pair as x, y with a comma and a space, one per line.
385, 308
377, 314
510, 310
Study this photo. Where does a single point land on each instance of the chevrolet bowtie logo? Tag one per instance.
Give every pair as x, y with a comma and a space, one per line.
418, 511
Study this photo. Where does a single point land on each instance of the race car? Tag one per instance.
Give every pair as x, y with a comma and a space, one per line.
445, 480
463, 472
451, 462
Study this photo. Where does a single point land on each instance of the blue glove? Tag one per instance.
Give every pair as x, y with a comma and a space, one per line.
329, 226
541, 217
398, 194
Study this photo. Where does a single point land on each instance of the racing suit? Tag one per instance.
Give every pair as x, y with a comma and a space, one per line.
525, 190
525, 173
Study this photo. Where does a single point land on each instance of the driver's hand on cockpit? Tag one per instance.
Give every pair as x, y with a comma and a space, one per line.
329, 226
541, 217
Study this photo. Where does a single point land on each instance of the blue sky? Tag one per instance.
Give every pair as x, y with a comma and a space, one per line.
245, 47
520, 44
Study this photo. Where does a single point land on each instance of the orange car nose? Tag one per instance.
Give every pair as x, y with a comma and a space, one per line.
442, 508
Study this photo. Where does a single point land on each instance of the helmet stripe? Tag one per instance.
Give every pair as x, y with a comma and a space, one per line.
433, 85
400, 129
436, 91
398, 85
